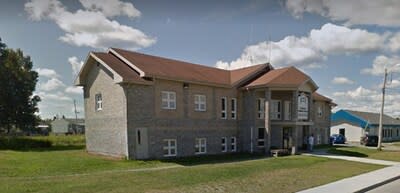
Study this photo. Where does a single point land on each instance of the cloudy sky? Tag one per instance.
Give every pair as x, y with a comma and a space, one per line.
343, 45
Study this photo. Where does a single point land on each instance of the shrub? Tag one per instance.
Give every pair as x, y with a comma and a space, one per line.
22, 143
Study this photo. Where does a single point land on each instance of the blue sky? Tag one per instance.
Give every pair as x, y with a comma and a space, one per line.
343, 45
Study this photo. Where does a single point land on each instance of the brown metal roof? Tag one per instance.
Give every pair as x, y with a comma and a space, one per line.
242, 73
154, 66
283, 77
135, 67
128, 74
318, 97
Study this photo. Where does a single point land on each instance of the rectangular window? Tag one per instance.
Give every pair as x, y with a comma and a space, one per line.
397, 132
99, 102
223, 107
288, 110
169, 147
201, 146
233, 144
275, 109
319, 111
261, 108
200, 102
138, 137
168, 99
233, 108
261, 137
224, 145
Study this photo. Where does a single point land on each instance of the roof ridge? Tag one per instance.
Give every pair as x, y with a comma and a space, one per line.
176, 60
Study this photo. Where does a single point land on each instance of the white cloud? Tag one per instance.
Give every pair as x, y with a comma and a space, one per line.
392, 64
111, 8
352, 12
91, 26
394, 42
289, 51
58, 96
51, 84
309, 51
74, 90
339, 39
342, 80
75, 64
364, 99
48, 73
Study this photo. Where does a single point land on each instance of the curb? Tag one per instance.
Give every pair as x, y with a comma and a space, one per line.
366, 189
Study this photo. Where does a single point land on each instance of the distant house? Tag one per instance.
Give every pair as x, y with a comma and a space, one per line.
141, 106
68, 126
354, 124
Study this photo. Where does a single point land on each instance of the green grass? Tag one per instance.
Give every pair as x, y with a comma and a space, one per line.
366, 152
22, 171
66, 167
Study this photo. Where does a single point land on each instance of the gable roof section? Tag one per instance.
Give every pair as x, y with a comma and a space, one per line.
120, 71
343, 116
154, 66
361, 118
319, 97
127, 74
243, 74
289, 77
373, 118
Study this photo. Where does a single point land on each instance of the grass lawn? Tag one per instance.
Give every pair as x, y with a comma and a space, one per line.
64, 169
366, 152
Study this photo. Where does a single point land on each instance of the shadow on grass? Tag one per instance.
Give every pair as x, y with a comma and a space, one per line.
214, 159
334, 150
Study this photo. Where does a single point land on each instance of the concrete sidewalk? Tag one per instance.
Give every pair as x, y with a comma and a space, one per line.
360, 183
322, 153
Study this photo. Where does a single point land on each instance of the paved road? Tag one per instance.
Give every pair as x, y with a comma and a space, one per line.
393, 187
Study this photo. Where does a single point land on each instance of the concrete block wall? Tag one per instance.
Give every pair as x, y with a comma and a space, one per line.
105, 129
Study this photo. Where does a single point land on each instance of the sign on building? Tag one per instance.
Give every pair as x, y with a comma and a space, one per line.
302, 107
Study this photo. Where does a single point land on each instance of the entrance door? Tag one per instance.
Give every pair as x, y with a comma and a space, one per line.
342, 131
287, 138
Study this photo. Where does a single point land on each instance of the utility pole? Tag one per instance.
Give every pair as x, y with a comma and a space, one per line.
381, 115
76, 112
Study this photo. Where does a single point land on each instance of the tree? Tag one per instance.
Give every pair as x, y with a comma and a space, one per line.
17, 83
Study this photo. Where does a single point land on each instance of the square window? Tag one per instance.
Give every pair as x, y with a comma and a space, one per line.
199, 102
168, 100
169, 148
200, 146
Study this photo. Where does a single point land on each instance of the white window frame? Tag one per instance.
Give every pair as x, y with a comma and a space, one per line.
224, 102
200, 146
233, 144
200, 102
98, 102
288, 110
224, 144
276, 115
170, 100
233, 108
169, 147
261, 108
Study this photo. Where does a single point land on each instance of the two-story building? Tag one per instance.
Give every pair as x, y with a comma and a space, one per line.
140, 106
